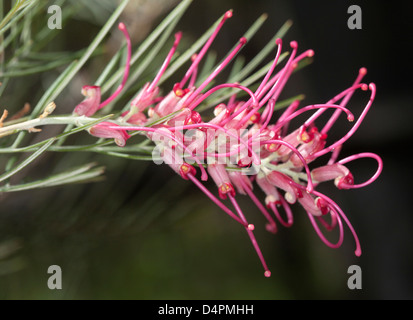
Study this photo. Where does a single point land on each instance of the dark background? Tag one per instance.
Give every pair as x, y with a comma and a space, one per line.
144, 233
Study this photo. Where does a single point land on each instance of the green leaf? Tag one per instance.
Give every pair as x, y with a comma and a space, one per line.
208, 66
12, 14
27, 161
74, 175
34, 70
60, 136
163, 119
236, 68
287, 102
128, 156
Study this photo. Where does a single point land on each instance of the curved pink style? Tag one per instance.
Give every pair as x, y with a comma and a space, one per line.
91, 104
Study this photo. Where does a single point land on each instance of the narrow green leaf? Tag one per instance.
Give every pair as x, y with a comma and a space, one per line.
78, 174
27, 161
94, 44
60, 136
129, 156
34, 70
236, 68
163, 119
285, 103
108, 69
12, 14
208, 66
56, 87
90, 176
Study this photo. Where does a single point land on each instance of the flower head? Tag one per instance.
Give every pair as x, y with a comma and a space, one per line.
245, 143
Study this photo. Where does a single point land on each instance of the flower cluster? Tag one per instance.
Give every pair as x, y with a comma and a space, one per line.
244, 143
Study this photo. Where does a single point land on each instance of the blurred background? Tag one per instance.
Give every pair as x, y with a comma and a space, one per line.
144, 233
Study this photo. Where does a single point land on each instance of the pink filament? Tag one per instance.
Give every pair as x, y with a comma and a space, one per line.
291, 108
251, 235
329, 226
320, 234
321, 107
332, 120
270, 71
359, 156
331, 101
224, 85
194, 75
216, 201
204, 49
269, 113
286, 206
281, 77
122, 28
272, 227
372, 87
214, 73
271, 104
165, 64
337, 209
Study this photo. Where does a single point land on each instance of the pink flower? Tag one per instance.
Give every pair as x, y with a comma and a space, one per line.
245, 141
90, 105
221, 178
106, 130
343, 179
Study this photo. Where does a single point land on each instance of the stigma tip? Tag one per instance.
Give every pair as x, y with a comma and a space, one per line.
363, 71
243, 40
294, 44
228, 14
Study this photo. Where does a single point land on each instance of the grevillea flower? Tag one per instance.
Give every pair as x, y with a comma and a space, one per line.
244, 144
105, 130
